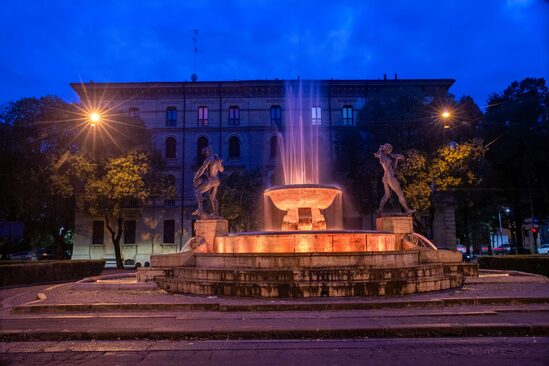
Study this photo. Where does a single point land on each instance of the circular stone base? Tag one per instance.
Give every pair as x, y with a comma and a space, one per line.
282, 275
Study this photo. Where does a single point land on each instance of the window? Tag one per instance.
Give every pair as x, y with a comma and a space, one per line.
171, 117
169, 231
200, 145
234, 116
202, 116
170, 180
98, 232
316, 116
348, 118
170, 148
274, 147
169, 203
276, 115
133, 112
234, 148
129, 232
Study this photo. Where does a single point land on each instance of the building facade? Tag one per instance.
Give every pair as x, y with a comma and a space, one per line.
242, 121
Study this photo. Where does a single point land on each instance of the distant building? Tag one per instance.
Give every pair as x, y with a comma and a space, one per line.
241, 120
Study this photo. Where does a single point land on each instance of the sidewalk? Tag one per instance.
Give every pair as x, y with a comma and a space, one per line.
496, 304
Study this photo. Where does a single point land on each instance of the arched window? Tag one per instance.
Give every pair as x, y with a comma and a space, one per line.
170, 148
274, 147
234, 148
200, 144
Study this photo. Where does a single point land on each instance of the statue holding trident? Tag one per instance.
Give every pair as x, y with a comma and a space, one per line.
206, 180
389, 162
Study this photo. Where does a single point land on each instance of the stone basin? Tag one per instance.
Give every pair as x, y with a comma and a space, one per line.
302, 203
292, 196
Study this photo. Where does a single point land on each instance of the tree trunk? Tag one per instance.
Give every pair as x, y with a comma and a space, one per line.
115, 237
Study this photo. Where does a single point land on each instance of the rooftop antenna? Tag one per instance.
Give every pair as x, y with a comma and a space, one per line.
194, 76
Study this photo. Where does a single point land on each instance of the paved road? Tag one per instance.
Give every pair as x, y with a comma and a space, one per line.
386, 352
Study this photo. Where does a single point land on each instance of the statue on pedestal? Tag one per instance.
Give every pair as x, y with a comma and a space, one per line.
206, 180
389, 162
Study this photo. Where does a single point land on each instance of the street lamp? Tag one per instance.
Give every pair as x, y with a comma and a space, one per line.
445, 115
94, 118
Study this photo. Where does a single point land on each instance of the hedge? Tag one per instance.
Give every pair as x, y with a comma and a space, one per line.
48, 271
538, 264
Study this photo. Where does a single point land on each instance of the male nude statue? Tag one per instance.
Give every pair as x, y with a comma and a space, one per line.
206, 180
385, 156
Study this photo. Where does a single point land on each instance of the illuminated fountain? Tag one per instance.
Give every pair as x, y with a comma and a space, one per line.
303, 257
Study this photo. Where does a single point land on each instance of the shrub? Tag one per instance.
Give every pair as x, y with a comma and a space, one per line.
19, 273
538, 264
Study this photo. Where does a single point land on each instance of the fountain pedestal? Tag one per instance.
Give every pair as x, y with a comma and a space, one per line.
397, 224
208, 230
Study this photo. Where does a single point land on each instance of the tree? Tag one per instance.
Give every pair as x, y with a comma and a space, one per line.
516, 128
39, 136
452, 168
240, 200
126, 181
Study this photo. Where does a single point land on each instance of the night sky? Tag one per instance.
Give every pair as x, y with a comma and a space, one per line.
483, 44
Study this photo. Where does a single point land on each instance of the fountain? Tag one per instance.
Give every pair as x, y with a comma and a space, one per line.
304, 257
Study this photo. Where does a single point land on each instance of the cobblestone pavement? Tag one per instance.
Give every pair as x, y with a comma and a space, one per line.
424, 351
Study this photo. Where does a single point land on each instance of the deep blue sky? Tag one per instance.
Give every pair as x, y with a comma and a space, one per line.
483, 44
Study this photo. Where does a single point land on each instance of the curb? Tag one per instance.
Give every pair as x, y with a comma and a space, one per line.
399, 331
316, 306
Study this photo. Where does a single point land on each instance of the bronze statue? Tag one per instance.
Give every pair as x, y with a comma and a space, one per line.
206, 180
389, 162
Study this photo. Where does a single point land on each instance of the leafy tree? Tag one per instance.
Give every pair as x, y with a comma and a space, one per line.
240, 199
127, 181
39, 134
451, 166
516, 128
450, 169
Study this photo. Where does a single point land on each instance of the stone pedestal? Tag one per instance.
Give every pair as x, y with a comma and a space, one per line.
396, 224
207, 230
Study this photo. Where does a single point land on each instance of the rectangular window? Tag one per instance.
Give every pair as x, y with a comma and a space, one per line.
276, 115
202, 116
348, 117
133, 112
234, 116
316, 115
169, 232
98, 232
129, 232
171, 117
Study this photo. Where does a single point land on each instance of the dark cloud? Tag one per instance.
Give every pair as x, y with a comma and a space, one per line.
484, 45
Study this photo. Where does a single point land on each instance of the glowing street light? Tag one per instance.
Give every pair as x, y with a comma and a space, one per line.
94, 118
445, 117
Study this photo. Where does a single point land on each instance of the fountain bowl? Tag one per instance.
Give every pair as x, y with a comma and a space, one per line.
292, 196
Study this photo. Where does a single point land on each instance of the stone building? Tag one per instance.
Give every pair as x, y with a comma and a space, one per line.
241, 120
